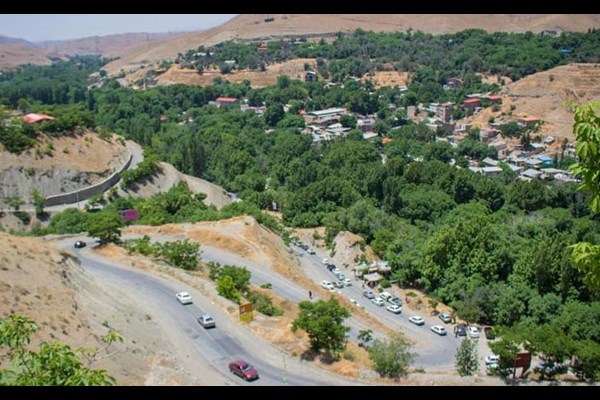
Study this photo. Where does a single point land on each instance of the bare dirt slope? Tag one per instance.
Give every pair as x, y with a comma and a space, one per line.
14, 52
292, 68
170, 176
76, 161
48, 286
544, 94
253, 26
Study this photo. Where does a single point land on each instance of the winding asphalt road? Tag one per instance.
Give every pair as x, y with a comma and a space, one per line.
217, 346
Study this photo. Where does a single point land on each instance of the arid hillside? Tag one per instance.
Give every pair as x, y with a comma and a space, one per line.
544, 95
48, 286
59, 165
14, 52
255, 26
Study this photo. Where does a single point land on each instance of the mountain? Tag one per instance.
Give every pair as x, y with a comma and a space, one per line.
266, 26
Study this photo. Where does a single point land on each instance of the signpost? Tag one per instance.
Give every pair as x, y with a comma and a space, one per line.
246, 312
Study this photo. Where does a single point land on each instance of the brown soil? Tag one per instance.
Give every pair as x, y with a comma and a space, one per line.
544, 95
85, 153
388, 78
292, 68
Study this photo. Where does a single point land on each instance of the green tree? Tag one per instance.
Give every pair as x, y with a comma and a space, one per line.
226, 288
181, 254
323, 321
39, 201
106, 226
587, 134
391, 357
54, 364
466, 357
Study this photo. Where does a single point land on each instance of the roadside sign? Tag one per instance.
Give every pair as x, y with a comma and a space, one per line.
246, 312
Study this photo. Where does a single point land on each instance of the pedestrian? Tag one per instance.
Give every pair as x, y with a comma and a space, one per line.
310, 294
363, 285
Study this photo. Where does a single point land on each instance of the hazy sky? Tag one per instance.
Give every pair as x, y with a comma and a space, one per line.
38, 27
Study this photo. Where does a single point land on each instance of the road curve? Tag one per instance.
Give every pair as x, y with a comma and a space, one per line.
216, 346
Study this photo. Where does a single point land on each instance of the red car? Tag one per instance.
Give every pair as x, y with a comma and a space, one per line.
243, 370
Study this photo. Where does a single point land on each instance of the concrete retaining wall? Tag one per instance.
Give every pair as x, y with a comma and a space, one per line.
82, 194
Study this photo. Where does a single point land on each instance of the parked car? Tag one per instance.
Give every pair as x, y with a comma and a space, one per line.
207, 321
310, 251
440, 330
328, 285
473, 332
385, 295
243, 370
415, 319
369, 294
444, 317
395, 300
338, 284
492, 359
489, 333
347, 282
326, 261
378, 301
184, 298
80, 244
394, 309
460, 330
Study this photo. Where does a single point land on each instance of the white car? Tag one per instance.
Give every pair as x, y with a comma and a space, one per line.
440, 330
325, 261
336, 271
378, 301
394, 309
347, 282
417, 320
492, 359
385, 295
473, 332
310, 251
207, 321
184, 298
328, 285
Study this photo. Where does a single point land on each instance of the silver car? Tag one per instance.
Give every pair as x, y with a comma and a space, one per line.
207, 321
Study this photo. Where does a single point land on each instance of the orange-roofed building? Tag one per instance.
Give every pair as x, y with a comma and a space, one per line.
493, 97
528, 121
386, 140
36, 118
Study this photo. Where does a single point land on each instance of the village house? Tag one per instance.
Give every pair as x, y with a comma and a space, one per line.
36, 118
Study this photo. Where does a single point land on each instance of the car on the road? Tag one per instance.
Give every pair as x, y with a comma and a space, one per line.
310, 251
328, 285
473, 332
489, 333
336, 271
184, 298
394, 309
338, 284
492, 359
444, 317
378, 301
440, 330
347, 282
369, 294
340, 276
326, 261
80, 244
207, 321
415, 319
243, 370
385, 295
460, 330
395, 301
